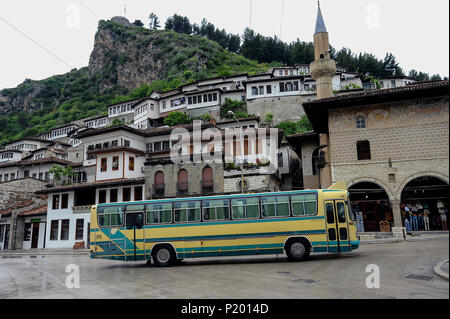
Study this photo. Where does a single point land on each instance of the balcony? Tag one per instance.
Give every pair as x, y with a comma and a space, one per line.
85, 209
183, 188
207, 186
159, 190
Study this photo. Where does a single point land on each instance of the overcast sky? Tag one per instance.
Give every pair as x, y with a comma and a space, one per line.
62, 31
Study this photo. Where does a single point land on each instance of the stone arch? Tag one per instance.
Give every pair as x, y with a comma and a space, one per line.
417, 175
376, 181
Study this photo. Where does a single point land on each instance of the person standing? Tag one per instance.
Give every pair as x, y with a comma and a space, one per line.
426, 219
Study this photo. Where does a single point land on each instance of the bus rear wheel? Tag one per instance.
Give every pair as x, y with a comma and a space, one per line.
163, 256
297, 250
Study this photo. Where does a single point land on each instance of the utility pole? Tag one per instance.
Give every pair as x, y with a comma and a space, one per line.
242, 151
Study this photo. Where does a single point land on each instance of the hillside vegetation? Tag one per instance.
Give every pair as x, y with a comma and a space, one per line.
126, 63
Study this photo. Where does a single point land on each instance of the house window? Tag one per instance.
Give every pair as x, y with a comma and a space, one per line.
261, 90
79, 230
115, 163
149, 147
281, 86
254, 90
113, 195
114, 143
269, 89
215, 97
166, 145
295, 86
104, 164
64, 201
138, 193
360, 121
102, 196
54, 230
126, 143
65, 229
363, 150
157, 146
131, 163
189, 100
55, 204
126, 194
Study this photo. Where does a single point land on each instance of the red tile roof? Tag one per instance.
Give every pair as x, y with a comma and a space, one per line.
35, 211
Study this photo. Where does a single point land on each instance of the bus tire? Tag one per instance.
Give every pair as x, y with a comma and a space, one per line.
298, 250
163, 256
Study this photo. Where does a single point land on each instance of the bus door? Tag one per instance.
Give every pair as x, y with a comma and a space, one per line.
337, 226
135, 236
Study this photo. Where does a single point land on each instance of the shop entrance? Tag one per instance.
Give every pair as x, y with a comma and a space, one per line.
424, 204
371, 206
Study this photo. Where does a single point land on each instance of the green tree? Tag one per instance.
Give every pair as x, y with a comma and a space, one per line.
232, 105
154, 21
176, 118
179, 24
138, 23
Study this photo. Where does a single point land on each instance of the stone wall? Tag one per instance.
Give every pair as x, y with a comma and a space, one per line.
407, 140
255, 181
194, 178
18, 190
286, 108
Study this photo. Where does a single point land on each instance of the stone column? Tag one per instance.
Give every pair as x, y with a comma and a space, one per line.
325, 172
398, 231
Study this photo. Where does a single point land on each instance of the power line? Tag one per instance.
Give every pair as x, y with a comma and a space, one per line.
37, 43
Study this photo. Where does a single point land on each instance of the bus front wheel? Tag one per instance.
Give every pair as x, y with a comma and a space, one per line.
163, 256
297, 250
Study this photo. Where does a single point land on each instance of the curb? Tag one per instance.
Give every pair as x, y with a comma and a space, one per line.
438, 271
44, 253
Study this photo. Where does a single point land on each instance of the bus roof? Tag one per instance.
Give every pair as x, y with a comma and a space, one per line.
182, 199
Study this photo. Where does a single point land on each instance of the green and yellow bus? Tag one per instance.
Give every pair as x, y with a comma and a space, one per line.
169, 230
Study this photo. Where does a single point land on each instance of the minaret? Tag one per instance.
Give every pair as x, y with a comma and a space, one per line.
323, 68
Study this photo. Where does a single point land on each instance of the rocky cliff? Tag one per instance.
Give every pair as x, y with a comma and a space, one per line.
124, 57
127, 62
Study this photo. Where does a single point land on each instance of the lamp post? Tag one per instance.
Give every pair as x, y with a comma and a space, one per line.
242, 151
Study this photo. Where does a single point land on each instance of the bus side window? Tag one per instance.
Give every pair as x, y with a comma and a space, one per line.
304, 204
159, 213
187, 212
275, 206
216, 210
245, 208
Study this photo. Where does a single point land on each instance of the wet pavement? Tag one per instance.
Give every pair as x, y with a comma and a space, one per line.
406, 271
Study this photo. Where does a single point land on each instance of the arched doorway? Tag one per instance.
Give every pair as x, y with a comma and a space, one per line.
424, 204
371, 205
207, 180
159, 186
183, 182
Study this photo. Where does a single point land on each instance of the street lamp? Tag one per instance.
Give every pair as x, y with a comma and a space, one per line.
242, 151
